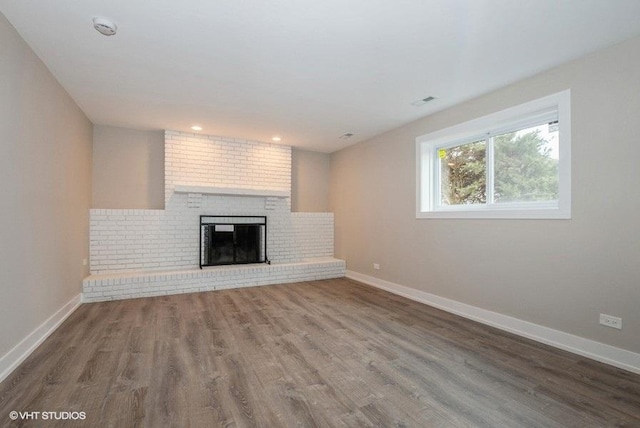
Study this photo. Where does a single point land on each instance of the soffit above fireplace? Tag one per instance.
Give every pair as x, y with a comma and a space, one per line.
231, 191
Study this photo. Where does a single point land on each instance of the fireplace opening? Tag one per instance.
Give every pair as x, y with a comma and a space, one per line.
229, 240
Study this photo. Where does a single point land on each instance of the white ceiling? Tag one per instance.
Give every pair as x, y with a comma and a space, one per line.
308, 71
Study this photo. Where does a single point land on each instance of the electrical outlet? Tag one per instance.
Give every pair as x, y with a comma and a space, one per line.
376, 266
611, 321
84, 262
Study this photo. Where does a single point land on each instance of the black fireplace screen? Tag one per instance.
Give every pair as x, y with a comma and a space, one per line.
230, 240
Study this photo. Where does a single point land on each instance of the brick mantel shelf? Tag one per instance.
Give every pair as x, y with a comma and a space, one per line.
230, 191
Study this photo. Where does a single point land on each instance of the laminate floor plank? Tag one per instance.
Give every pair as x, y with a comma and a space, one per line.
330, 353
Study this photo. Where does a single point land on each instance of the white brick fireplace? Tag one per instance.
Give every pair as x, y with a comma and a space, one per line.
136, 253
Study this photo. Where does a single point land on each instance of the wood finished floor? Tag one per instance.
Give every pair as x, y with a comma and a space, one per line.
326, 353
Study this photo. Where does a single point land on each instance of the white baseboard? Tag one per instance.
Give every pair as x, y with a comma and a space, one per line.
578, 345
22, 350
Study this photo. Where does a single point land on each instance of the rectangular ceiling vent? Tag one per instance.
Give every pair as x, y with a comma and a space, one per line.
423, 101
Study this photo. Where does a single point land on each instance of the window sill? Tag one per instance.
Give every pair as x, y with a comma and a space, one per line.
539, 214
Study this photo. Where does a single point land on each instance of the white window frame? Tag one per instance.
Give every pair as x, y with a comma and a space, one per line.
553, 107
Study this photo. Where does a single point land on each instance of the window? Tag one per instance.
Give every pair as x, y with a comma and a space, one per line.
511, 164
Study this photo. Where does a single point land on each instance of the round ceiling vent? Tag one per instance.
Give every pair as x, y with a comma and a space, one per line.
104, 26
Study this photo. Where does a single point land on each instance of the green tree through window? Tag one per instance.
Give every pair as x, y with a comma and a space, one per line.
464, 177
524, 169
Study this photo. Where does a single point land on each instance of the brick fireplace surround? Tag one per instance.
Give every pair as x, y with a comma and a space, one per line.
140, 253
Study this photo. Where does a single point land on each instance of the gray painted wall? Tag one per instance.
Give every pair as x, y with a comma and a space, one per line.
45, 171
557, 273
309, 181
128, 168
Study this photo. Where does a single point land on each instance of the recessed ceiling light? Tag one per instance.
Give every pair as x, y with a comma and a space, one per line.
104, 26
276, 138
196, 128
422, 101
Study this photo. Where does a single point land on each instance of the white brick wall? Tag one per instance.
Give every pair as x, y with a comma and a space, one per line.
126, 286
313, 234
193, 159
146, 240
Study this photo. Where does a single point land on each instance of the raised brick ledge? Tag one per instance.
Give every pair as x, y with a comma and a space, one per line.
98, 288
